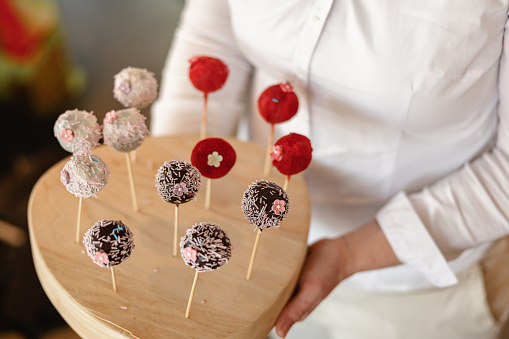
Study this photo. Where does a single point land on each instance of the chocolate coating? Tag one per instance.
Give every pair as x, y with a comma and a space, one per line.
109, 237
205, 247
265, 204
177, 181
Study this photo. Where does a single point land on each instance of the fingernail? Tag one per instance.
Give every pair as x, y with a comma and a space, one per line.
284, 329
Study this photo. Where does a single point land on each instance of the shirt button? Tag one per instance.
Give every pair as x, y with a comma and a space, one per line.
316, 19
300, 70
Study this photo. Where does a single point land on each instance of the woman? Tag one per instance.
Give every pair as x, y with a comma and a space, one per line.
405, 103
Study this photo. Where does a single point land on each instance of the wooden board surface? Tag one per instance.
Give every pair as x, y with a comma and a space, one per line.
153, 286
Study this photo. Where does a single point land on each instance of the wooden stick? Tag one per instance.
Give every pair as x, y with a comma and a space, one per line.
132, 154
131, 182
191, 296
253, 254
287, 180
175, 230
207, 193
268, 158
78, 223
113, 278
203, 130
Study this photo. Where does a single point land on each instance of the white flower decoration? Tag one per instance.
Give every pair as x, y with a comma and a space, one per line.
214, 159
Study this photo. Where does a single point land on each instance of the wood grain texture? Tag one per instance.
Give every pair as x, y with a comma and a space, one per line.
153, 286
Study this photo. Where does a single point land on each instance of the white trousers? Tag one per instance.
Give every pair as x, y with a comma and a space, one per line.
457, 312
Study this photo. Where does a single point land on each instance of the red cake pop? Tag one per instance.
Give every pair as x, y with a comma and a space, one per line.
208, 75
278, 103
214, 158
291, 154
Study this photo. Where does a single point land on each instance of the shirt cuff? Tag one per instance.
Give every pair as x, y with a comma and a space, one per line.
411, 241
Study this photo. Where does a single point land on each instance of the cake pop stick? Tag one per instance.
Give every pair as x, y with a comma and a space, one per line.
124, 131
264, 205
277, 103
109, 243
191, 295
214, 158
131, 182
113, 279
78, 223
177, 182
205, 247
291, 154
208, 75
77, 131
84, 175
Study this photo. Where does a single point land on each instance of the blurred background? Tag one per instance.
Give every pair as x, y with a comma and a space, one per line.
54, 56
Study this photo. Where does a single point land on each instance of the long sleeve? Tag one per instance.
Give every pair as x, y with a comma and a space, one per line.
204, 29
465, 209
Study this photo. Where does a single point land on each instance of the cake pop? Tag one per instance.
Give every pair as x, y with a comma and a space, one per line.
214, 158
84, 175
124, 131
135, 87
264, 205
291, 154
208, 75
204, 247
177, 182
108, 244
276, 104
77, 131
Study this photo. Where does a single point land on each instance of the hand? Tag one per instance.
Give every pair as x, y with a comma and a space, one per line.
325, 266
328, 262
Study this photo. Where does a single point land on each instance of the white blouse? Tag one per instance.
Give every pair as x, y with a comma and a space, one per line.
405, 103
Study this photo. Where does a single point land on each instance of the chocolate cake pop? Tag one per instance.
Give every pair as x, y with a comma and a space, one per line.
291, 154
109, 242
85, 174
177, 181
213, 157
77, 131
135, 87
265, 204
205, 247
124, 130
207, 74
278, 103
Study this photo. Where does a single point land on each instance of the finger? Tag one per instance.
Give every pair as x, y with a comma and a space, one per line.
305, 301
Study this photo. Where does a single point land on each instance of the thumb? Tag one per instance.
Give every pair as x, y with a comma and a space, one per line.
307, 298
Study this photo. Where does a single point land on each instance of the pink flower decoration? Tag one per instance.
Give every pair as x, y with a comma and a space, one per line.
101, 258
190, 253
110, 116
124, 87
180, 189
277, 153
286, 87
66, 135
64, 177
278, 206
